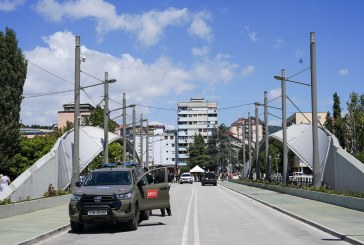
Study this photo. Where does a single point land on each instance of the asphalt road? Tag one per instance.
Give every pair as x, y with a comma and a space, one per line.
205, 215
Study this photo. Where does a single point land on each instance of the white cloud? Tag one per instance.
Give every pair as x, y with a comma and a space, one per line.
251, 34
275, 93
203, 51
214, 71
248, 70
200, 28
148, 27
278, 43
10, 5
143, 83
343, 72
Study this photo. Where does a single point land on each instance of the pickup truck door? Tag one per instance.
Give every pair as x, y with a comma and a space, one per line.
153, 189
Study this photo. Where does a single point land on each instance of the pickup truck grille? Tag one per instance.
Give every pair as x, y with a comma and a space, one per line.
101, 198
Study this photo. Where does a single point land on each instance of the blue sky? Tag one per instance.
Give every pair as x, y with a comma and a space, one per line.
164, 52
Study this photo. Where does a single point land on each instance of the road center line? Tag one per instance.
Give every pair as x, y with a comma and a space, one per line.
196, 233
187, 220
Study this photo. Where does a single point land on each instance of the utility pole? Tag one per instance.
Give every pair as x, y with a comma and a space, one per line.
250, 146
134, 153
244, 160
106, 119
316, 160
76, 122
267, 159
284, 126
257, 165
124, 129
147, 145
141, 140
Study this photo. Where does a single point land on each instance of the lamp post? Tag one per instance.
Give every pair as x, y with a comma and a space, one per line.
250, 146
257, 165
76, 126
315, 149
266, 136
77, 118
244, 160
106, 117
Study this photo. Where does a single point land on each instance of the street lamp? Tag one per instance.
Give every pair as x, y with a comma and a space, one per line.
315, 149
106, 117
77, 117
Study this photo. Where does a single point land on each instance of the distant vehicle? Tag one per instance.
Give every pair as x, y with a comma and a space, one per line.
209, 178
186, 178
118, 195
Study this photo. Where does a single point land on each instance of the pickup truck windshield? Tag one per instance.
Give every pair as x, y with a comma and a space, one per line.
108, 178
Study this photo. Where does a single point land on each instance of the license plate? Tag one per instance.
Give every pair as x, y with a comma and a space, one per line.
97, 212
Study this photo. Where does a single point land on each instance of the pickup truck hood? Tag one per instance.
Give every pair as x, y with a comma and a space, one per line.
102, 189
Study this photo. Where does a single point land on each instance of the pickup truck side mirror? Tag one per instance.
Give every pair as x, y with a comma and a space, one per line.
78, 183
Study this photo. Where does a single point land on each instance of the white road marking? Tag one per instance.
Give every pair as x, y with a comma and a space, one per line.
196, 233
187, 220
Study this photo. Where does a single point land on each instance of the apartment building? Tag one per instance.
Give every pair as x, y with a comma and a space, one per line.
236, 129
68, 114
198, 116
305, 117
161, 144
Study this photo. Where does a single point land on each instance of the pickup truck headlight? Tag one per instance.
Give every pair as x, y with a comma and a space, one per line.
75, 197
124, 196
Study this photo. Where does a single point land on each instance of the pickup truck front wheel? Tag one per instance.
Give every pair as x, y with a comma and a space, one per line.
77, 227
133, 223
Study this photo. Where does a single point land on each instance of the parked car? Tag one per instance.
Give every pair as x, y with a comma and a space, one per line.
186, 178
118, 195
209, 178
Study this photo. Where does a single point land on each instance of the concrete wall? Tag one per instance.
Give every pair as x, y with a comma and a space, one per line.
339, 200
33, 205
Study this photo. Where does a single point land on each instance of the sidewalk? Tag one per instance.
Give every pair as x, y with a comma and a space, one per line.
345, 223
31, 227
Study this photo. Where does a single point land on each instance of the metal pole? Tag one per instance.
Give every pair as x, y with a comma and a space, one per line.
124, 129
106, 119
147, 145
141, 140
76, 122
316, 161
134, 153
257, 165
266, 136
284, 127
250, 146
244, 160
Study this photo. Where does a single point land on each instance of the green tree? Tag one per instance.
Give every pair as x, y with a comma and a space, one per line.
339, 125
223, 146
13, 70
212, 150
328, 124
355, 124
97, 119
197, 153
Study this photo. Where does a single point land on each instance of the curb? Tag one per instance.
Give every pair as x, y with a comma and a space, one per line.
316, 225
45, 235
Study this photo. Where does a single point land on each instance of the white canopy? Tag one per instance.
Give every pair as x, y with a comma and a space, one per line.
197, 169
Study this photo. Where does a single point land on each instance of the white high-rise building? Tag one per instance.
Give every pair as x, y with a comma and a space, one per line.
194, 117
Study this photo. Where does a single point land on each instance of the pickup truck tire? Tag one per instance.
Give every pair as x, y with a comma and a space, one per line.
133, 223
76, 227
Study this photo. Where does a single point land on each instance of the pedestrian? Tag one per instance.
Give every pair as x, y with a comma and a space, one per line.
4, 182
